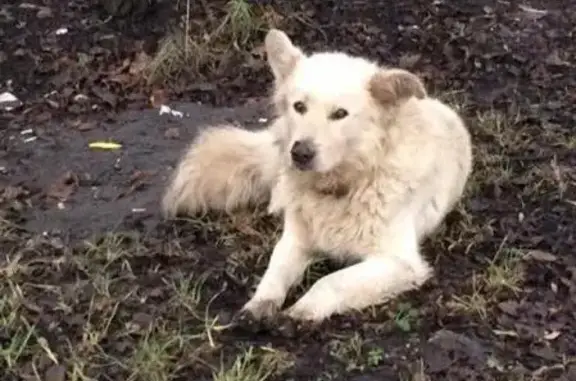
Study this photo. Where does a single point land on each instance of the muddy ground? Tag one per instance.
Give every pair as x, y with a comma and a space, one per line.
94, 285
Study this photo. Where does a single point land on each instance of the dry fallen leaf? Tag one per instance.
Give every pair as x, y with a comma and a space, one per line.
541, 256
105, 96
172, 133
63, 187
136, 181
56, 373
408, 61
10, 193
105, 145
158, 98
139, 175
139, 64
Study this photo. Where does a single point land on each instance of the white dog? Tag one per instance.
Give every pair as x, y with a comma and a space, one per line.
361, 163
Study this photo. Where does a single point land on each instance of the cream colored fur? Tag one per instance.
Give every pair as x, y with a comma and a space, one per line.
225, 168
385, 173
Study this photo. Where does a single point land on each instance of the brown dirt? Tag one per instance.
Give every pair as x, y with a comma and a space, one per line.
95, 286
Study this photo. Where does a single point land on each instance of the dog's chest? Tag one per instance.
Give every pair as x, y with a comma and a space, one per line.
340, 227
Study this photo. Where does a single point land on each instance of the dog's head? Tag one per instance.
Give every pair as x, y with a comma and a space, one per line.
332, 105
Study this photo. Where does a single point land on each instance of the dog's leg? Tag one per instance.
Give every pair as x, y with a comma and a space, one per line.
398, 268
288, 262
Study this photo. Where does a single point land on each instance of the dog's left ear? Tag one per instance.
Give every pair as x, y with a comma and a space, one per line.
391, 86
282, 54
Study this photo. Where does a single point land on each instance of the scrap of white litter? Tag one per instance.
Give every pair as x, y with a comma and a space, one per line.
26, 132
30, 139
262, 120
80, 98
529, 9
7, 97
167, 110
61, 31
61, 206
138, 210
552, 335
28, 6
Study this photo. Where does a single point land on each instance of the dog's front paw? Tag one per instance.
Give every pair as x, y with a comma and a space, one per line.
257, 315
303, 313
287, 327
311, 310
266, 309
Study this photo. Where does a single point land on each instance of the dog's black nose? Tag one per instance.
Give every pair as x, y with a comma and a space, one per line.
302, 153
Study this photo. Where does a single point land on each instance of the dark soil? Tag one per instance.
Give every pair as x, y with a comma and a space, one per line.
94, 285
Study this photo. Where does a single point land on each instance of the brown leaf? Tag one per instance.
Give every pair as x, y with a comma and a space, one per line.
158, 98
53, 104
43, 117
55, 373
137, 180
139, 64
64, 187
407, 61
541, 256
143, 320
121, 78
509, 307
81, 124
44, 12
85, 126
105, 95
172, 133
10, 193
554, 59
140, 176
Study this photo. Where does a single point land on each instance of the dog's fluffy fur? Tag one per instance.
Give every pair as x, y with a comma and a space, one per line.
225, 168
390, 162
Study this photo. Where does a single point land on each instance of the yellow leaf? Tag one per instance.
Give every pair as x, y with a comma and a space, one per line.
105, 145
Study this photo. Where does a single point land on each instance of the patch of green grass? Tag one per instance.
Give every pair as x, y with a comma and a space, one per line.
20, 333
255, 364
475, 302
505, 271
154, 358
242, 21
406, 317
112, 247
355, 353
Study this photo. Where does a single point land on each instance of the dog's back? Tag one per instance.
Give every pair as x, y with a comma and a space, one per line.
451, 155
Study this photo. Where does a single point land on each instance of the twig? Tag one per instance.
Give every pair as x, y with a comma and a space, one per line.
207, 11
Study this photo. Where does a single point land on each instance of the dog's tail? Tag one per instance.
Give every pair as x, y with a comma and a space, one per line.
225, 168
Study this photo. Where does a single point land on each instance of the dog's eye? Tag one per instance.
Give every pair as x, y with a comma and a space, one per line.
339, 114
300, 107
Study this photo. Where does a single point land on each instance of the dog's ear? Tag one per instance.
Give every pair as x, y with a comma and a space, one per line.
390, 86
282, 54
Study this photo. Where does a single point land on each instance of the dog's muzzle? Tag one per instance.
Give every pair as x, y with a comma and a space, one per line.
303, 153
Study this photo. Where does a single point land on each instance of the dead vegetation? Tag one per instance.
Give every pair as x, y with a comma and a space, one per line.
211, 37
